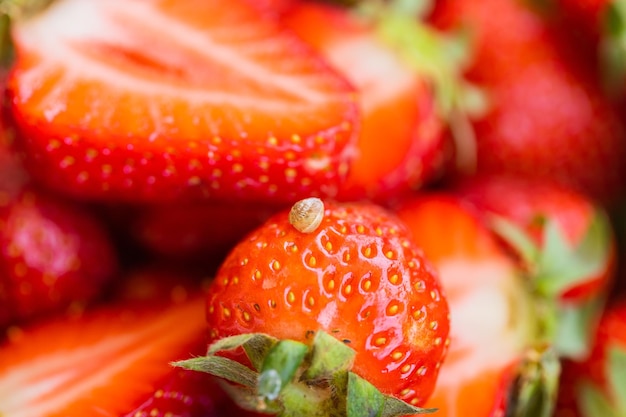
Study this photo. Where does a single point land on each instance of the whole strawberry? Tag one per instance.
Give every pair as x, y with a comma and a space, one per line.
53, 253
346, 283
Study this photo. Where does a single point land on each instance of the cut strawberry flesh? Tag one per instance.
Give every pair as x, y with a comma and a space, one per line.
121, 84
105, 363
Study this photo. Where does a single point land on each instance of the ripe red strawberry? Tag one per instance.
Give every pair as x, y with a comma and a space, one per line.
564, 243
390, 89
492, 317
53, 254
112, 361
549, 118
355, 277
595, 387
155, 100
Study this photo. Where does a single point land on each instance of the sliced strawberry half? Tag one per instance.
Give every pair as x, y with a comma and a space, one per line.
151, 100
565, 244
491, 314
106, 362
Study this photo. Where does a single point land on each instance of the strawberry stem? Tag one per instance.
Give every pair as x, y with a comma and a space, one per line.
535, 388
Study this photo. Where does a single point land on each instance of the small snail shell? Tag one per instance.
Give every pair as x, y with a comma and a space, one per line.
306, 215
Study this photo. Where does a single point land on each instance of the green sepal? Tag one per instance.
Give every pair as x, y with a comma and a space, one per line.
515, 237
279, 367
612, 48
365, 400
534, 390
329, 356
575, 326
256, 346
221, 367
616, 373
562, 266
594, 403
558, 266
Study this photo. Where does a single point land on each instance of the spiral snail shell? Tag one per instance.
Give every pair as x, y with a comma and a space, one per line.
307, 214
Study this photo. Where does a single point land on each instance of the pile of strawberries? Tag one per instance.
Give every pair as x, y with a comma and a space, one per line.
307, 208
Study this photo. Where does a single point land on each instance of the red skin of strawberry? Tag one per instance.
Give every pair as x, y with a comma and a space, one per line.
587, 14
112, 361
527, 203
198, 233
414, 144
477, 372
53, 253
203, 112
357, 277
611, 332
548, 118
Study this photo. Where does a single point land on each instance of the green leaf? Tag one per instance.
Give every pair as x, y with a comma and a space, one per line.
593, 403
395, 407
516, 237
364, 399
222, 368
616, 372
279, 367
255, 342
329, 356
575, 325
562, 266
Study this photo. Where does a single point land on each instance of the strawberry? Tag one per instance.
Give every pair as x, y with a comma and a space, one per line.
564, 243
110, 361
492, 317
155, 100
389, 88
343, 282
548, 118
595, 387
53, 254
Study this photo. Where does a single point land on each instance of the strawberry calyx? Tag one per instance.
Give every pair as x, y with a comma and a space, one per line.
534, 390
594, 401
290, 378
555, 267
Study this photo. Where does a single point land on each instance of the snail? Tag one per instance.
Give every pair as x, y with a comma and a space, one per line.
307, 214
